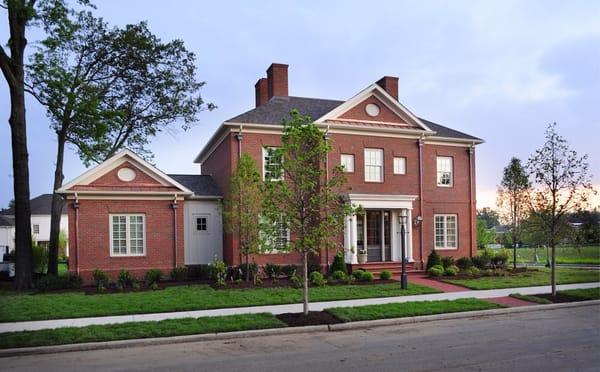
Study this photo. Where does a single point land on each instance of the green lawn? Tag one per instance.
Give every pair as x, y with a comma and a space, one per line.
23, 307
135, 330
406, 309
533, 277
585, 294
564, 255
63, 269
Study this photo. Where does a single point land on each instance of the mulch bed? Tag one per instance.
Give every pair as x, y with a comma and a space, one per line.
286, 283
313, 318
560, 298
510, 272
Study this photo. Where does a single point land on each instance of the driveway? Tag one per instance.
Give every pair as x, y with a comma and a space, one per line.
557, 340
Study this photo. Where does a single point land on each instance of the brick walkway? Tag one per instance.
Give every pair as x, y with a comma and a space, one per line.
441, 286
509, 301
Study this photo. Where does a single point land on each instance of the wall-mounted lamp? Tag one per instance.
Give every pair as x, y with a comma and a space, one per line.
418, 220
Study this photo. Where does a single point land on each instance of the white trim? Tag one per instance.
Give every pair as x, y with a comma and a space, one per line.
382, 201
127, 235
403, 171
264, 154
121, 157
446, 247
381, 165
135, 196
347, 169
437, 171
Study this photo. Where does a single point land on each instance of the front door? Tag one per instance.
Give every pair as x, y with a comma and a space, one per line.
374, 253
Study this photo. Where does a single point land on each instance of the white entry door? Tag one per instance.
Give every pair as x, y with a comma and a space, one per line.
203, 232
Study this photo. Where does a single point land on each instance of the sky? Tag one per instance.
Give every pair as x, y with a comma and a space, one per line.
499, 70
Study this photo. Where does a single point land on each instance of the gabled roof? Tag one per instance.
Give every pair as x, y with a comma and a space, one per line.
201, 185
39, 205
6, 221
116, 160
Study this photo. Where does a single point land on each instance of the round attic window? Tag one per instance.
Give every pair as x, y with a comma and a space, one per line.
126, 174
372, 109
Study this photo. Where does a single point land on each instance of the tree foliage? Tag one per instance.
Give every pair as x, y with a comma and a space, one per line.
561, 184
490, 216
485, 236
244, 206
306, 200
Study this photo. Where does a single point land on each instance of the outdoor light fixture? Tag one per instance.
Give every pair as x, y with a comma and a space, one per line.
403, 276
418, 220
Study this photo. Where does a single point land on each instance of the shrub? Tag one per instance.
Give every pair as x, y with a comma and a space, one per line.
219, 271
313, 267
68, 281
433, 259
125, 278
39, 258
273, 271
153, 276
202, 272
296, 281
451, 270
464, 263
483, 259
437, 270
339, 275
367, 276
73, 280
100, 278
317, 279
241, 271
289, 270
500, 259
385, 275
357, 274
447, 261
473, 270
136, 285
179, 274
338, 263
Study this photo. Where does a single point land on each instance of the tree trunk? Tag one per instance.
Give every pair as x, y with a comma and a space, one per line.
247, 266
553, 269
57, 206
20, 159
514, 255
305, 286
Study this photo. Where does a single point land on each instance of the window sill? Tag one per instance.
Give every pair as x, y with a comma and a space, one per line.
446, 249
127, 255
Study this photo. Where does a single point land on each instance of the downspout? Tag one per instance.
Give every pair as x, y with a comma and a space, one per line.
175, 206
239, 136
420, 144
471, 168
326, 137
76, 207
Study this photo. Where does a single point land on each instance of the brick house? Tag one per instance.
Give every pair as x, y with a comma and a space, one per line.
400, 168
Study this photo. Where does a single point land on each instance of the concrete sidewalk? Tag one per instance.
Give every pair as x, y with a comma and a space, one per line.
279, 309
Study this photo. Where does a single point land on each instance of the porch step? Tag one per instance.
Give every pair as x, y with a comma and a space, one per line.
377, 267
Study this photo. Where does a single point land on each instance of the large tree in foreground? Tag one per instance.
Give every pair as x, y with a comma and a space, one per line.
301, 196
561, 183
512, 200
21, 15
243, 207
106, 88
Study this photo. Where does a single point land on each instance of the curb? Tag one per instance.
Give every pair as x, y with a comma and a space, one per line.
284, 331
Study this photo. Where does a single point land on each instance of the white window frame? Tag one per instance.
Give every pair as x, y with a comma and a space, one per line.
397, 161
277, 246
441, 172
36, 228
127, 234
207, 218
369, 165
264, 164
445, 246
347, 159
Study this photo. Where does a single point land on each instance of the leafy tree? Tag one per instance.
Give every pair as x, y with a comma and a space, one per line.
106, 88
490, 217
21, 15
561, 183
305, 199
242, 208
484, 235
512, 200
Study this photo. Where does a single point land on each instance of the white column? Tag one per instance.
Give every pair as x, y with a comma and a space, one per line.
409, 237
395, 235
350, 237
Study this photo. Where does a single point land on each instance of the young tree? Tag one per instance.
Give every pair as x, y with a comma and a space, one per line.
561, 183
484, 235
105, 88
512, 200
244, 206
300, 194
22, 14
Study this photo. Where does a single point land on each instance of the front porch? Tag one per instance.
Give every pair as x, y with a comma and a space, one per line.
377, 267
373, 237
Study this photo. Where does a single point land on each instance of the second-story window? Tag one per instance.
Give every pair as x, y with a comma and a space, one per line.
373, 165
347, 162
399, 165
444, 171
272, 169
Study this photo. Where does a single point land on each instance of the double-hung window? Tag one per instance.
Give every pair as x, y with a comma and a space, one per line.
347, 162
128, 235
373, 165
444, 171
399, 165
272, 164
277, 235
445, 231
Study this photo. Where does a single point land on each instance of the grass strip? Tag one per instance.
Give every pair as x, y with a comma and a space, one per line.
530, 298
407, 309
137, 330
584, 293
25, 307
532, 277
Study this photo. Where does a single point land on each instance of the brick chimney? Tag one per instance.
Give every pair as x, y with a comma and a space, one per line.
277, 79
390, 85
262, 92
